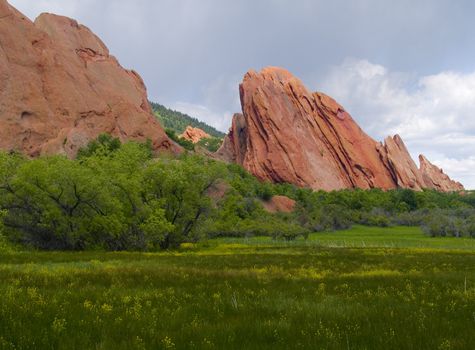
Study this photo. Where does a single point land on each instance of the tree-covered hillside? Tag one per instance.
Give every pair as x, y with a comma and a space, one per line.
178, 121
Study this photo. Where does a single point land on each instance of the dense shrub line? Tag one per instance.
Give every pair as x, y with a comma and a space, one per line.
439, 214
118, 197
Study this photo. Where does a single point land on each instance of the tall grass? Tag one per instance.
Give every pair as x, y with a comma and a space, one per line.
243, 295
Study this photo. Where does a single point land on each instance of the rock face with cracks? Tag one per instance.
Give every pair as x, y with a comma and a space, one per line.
60, 88
289, 134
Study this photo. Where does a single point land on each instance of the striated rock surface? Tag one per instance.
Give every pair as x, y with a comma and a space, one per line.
435, 178
194, 135
234, 144
60, 88
404, 171
289, 134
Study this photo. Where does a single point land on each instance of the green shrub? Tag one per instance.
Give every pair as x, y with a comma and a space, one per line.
329, 217
188, 145
211, 144
104, 144
4, 245
376, 217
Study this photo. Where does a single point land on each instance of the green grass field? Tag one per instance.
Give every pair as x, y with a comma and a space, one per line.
363, 237
365, 288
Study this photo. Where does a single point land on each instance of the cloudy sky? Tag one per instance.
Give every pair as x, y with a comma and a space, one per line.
405, 66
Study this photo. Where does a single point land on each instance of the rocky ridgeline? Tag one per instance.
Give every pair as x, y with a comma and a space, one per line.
60, 88
289, 134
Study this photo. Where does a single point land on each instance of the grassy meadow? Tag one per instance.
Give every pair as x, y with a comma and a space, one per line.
364, 288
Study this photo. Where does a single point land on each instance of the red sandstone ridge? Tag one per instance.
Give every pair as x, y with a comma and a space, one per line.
289, 134
194, 135
60, 88
436, 178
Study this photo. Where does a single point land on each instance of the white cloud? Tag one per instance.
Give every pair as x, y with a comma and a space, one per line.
220, 101
463, 168
434, 114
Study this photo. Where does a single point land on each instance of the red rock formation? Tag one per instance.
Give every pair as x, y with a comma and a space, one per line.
288, 134
234, 144
60, 88
279, 204
404, 171
194, 135
435, 178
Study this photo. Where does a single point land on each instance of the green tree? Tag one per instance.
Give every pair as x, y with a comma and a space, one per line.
211, 144
104, 144
182, 187
55, 203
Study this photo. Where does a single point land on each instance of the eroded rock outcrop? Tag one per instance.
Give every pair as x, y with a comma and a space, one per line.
289, 134
435, 178
404, 171
234, 144
279, 204
194, 135
60, 88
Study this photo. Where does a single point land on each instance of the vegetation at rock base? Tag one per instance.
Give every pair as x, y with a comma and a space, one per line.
211, 144
119, 197
178, 121
104, 144
175, 124
404, 290
186, 144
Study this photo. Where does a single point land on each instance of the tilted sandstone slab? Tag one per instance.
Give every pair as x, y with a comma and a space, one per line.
404, 171
435, 178
288, 134
234, 146
194, 135
60, 88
